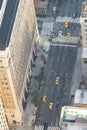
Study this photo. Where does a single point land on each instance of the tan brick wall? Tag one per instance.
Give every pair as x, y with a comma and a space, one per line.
16, 59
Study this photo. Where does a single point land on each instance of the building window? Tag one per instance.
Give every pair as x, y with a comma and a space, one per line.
6, 83
14, 122
12, 115
1, 64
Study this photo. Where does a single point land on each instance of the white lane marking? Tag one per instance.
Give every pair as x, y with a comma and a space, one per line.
51, 90
63, 19
49, 74
64, 39
54, 74
63, 45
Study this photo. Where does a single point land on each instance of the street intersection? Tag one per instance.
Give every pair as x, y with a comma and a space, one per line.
61, 59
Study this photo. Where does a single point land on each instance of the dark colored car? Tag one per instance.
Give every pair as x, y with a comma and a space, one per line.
53, 35
45, 125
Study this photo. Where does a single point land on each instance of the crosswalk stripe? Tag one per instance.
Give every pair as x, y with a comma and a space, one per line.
62, 19
49, 128
64, 39
68, 45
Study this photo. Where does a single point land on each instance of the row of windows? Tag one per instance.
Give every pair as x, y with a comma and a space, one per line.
3, 127
4, 122
86, 30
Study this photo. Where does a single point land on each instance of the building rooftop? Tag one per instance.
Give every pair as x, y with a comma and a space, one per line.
7, 22
84, 9
76, 127
80, 97
41, 4
1, 3
40, 7
72, 115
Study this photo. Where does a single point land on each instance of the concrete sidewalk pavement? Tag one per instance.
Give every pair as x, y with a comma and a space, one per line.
29, 114
77, 75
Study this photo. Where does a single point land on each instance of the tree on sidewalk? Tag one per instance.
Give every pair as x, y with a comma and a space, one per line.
36, 96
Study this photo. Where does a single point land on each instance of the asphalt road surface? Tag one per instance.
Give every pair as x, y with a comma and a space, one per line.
61, 62
64, 7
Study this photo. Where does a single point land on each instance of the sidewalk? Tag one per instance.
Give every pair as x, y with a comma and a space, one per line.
29, 114
47, 19
77, 76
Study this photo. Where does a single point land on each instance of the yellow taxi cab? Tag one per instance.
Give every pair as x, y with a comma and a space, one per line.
66, 23
44, 99
68, 36
51, 106
57, 80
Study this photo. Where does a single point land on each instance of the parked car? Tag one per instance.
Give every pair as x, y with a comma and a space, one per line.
45, 125
53, 35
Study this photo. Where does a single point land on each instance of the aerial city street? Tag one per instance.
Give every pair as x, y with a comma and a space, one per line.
61, 60
43, 64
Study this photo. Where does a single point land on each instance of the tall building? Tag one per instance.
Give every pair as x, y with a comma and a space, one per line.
83, 20
3, 121
18, 38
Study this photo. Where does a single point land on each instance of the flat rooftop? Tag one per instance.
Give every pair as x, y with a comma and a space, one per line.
1, 3
80, 97
84, 9
40, 6
71, 114
8, 22
76, 127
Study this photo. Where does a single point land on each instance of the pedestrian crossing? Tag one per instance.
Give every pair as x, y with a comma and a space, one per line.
64, 39
63, 19
67, 45
42, 128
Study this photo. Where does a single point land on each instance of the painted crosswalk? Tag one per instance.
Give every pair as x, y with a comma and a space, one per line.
72, 20
42, 128
67, 45
64, 39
